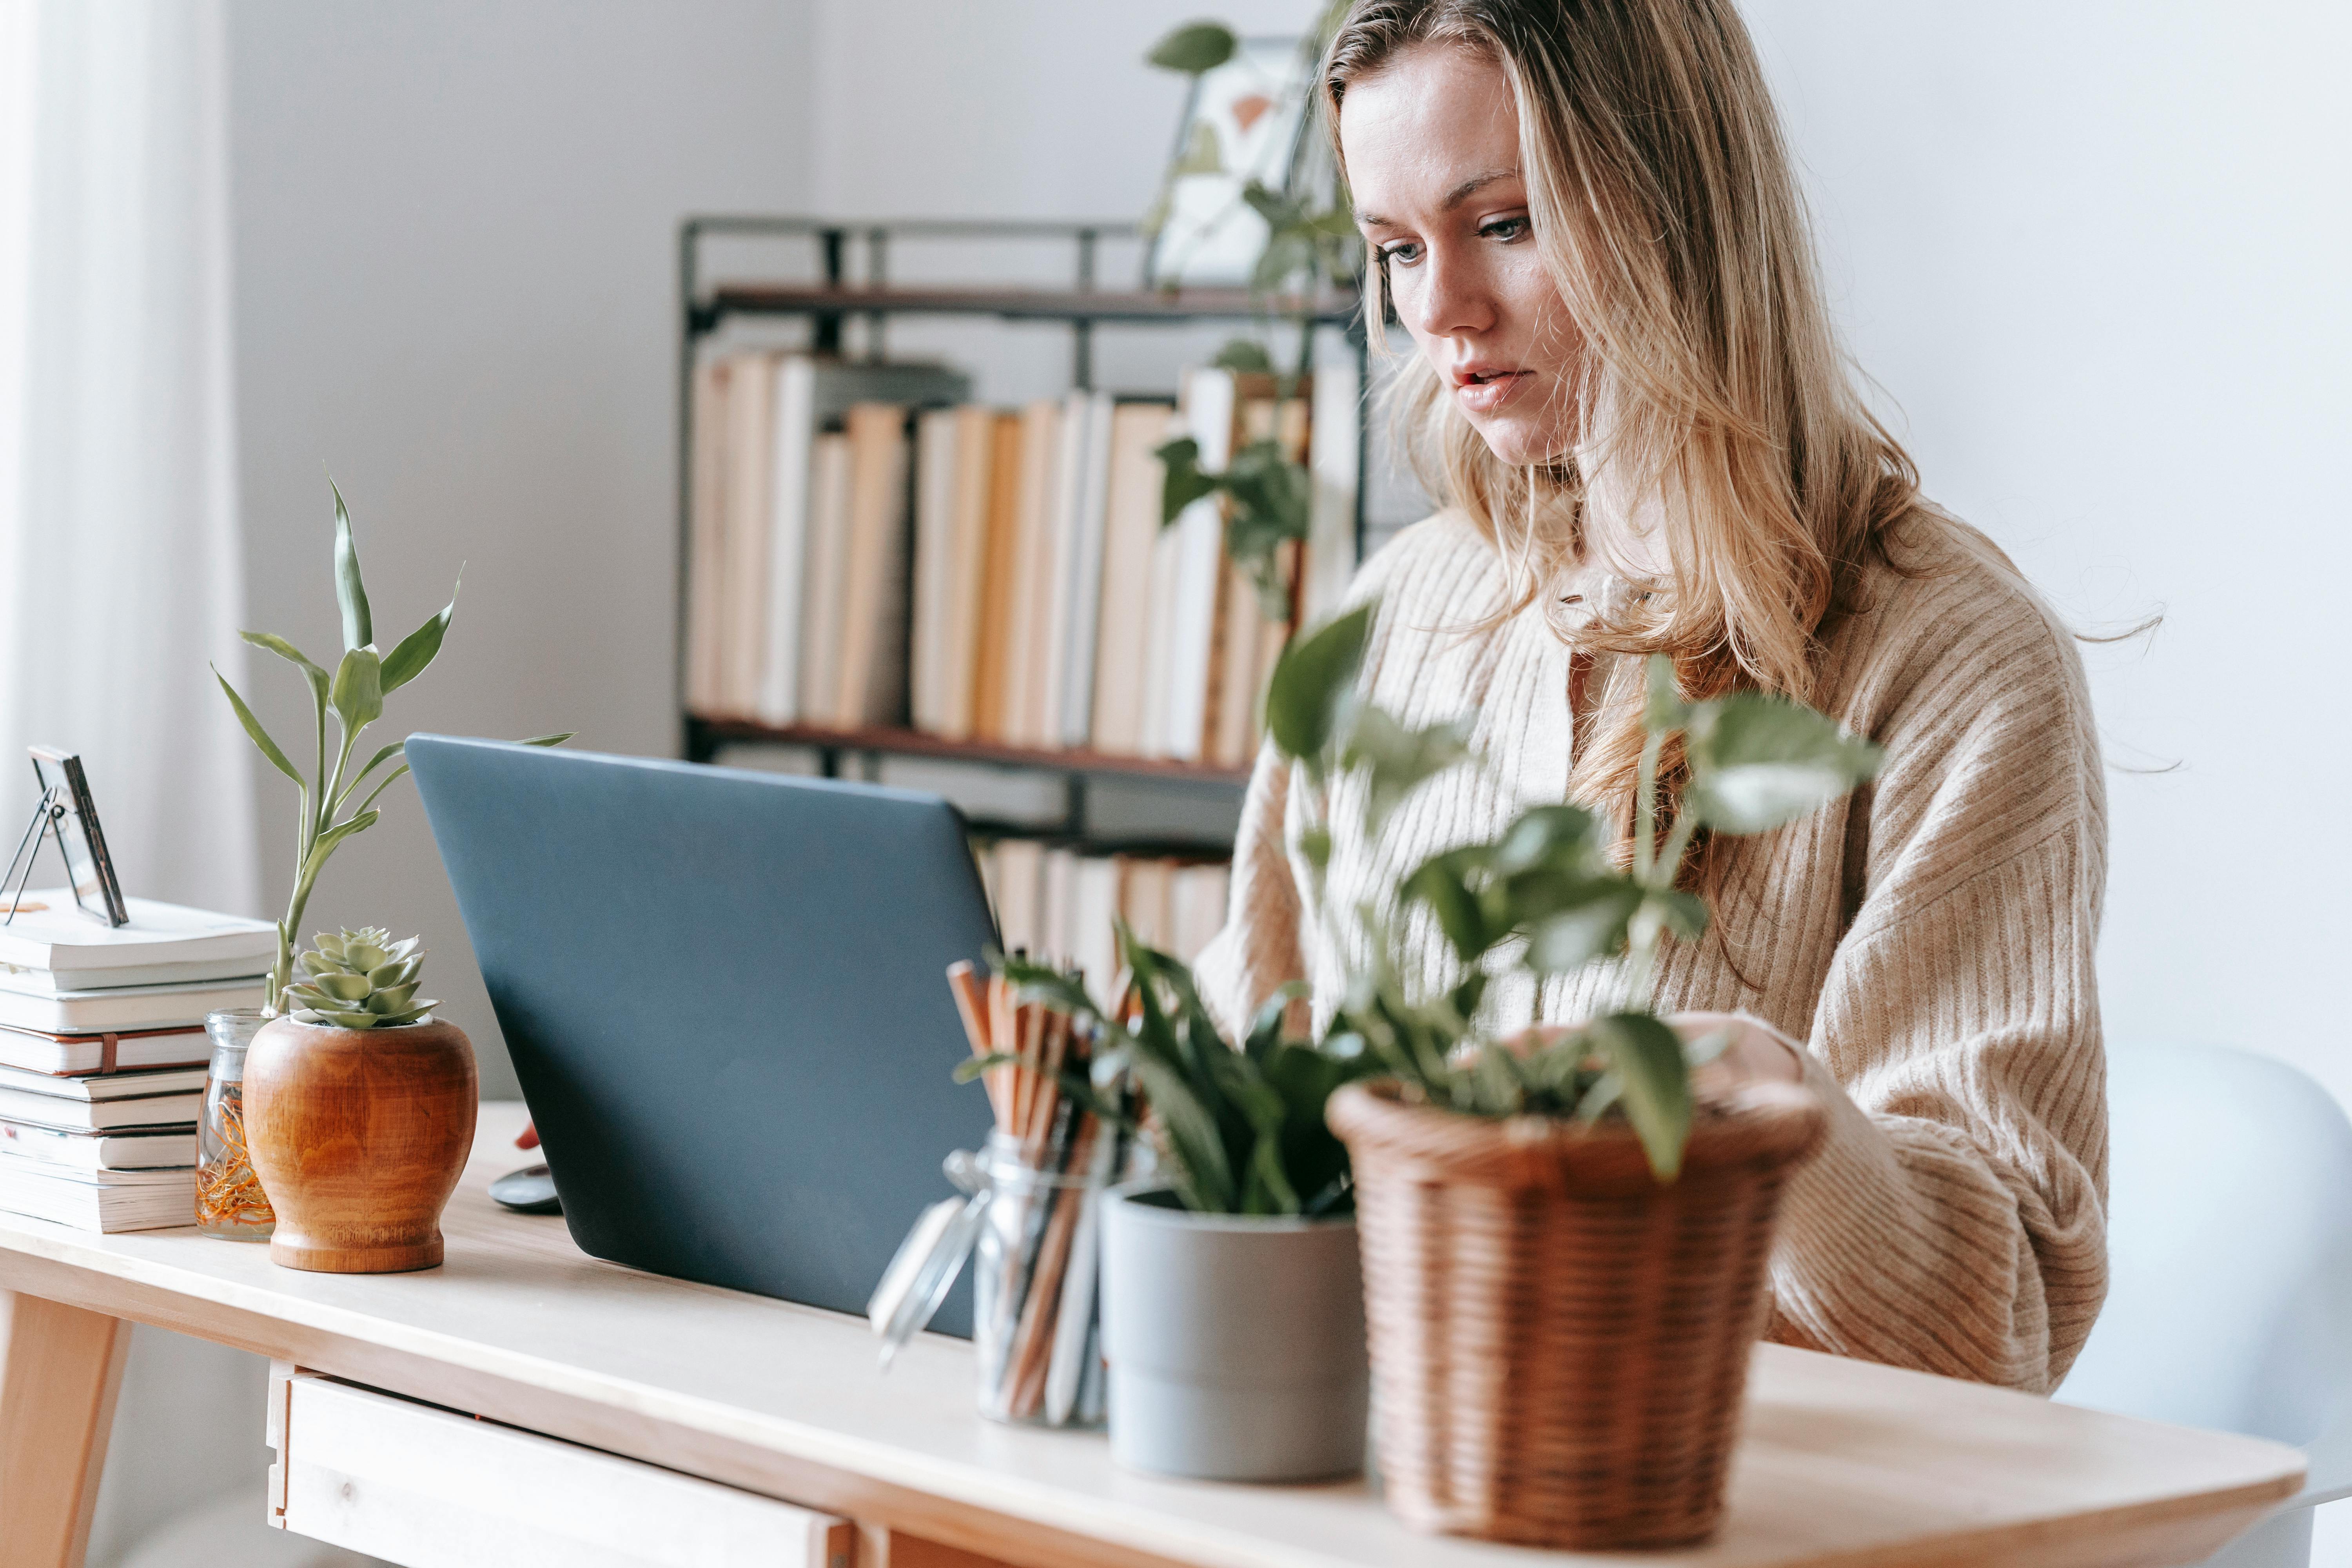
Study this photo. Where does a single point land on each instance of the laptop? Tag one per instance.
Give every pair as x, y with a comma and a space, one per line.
725, 996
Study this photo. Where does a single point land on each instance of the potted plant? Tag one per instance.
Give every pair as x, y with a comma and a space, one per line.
355, 1105
359, 1110
1233, 1299
1564, 1245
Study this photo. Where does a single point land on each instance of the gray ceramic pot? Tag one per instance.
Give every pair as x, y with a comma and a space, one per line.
1236, 1343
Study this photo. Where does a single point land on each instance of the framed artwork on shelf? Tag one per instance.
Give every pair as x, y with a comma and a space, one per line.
1244, 122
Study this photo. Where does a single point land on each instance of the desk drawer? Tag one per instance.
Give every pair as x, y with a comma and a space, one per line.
427, 1488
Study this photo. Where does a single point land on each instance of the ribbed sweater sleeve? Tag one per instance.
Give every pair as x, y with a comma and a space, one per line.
1954, 1218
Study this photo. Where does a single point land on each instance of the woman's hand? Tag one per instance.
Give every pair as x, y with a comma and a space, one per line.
1757, 1053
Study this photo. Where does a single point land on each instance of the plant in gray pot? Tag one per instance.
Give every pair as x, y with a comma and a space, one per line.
1233, 1296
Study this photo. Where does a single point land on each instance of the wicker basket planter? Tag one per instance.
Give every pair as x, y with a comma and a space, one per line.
1559, 1343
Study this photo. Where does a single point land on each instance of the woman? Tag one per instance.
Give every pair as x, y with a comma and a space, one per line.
1627, 391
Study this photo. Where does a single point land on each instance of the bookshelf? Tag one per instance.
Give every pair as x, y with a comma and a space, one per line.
842, 275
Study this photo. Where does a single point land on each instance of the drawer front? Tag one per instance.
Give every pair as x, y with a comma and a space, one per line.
422, 1487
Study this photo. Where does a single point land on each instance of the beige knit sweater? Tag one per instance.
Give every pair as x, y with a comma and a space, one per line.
1928, 940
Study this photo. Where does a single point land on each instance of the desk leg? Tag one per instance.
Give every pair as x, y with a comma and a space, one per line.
60, 1368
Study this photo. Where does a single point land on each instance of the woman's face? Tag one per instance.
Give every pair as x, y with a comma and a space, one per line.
1432, 142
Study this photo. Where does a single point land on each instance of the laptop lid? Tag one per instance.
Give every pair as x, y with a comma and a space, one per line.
725, 997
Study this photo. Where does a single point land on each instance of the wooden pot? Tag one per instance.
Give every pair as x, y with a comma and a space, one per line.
1559, 1341
358, 1136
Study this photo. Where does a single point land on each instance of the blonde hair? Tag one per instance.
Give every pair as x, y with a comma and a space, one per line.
1713, 392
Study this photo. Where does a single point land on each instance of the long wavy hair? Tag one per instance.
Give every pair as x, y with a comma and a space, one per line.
1713, 398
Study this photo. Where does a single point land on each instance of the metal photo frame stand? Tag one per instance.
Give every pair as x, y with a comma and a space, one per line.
46, 815
66, 796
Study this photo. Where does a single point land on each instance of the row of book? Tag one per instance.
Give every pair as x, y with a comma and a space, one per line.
102, 1055
868, 549
1057, 904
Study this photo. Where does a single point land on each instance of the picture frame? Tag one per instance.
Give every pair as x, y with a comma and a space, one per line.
72, 814
1243, 121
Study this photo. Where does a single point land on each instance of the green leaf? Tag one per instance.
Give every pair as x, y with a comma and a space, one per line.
1561, 837
1201, 154
1184, 483
1194, 47
1759, 760
1440, 884
417, 650
342, 987
1665, 709
548, 740
391, 999
1647, 1058
1398, 760
1591, 927
346, 1019
1315, 845
260, 736
1245, 355
1684, 914
358, 693
294, 655
327, 841
1043, 982
1314, 684
350, 595
389, 779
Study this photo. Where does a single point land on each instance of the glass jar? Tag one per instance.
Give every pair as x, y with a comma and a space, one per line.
1032, 1229
230, 1203
1036, 1308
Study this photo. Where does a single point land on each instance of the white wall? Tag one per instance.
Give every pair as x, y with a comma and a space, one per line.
456, 228
2095, 251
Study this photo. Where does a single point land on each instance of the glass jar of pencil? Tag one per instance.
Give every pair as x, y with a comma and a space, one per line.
1036, 1308
230, 1203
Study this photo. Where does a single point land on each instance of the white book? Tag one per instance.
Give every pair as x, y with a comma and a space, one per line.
1092, 937
1020, 895
35, 1050
823, 582
1331, 460
742, 607
1061, 584
1058, 909
1082, 606
1198, 570
125, 1007
1196, 908
178, 1112
1030, 627
790, 449
51, 981
105, 1201
97, 1150
48, 933
103, 1087
935, 568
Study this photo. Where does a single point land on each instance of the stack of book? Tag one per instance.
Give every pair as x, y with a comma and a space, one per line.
102, 1055
866, 552
1058, 903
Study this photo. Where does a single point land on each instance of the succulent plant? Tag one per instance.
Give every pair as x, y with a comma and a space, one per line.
360, 980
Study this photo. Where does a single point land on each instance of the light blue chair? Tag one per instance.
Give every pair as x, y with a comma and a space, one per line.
2230, 1265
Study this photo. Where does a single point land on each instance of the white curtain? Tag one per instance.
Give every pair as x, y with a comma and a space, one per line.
119, 571
121, 578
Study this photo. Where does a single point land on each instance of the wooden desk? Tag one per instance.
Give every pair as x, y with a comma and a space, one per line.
1842, 1462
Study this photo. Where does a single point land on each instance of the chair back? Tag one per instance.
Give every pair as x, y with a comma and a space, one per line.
2229, 1247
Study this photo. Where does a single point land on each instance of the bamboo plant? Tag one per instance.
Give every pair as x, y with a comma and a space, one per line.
354, 694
